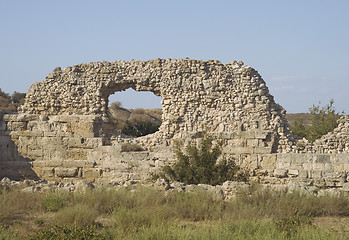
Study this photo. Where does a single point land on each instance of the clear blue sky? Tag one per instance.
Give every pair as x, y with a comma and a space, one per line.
300, 47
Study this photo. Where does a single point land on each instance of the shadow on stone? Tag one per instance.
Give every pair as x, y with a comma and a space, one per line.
12, 164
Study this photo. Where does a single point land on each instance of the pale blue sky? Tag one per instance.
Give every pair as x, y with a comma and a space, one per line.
300, 47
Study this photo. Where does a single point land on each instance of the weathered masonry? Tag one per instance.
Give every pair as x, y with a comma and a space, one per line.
63, 131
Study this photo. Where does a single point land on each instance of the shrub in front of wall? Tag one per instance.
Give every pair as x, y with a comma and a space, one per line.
198, 163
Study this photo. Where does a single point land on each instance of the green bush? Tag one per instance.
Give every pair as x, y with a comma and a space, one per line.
323, 120
131, 147
18, 97
140, 128
199, 164
53, 201
79, 215
5, 95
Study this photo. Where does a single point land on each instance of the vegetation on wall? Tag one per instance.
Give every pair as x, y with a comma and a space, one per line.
323, 120
198, 163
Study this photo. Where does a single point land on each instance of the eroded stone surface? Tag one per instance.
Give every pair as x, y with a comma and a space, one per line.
196, 95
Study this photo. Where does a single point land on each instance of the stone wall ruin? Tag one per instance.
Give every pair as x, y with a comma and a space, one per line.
63, 130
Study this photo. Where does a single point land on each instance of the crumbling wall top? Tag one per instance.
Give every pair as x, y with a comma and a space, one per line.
196, 95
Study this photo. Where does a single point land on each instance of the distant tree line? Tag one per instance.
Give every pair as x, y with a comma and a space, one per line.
11, 102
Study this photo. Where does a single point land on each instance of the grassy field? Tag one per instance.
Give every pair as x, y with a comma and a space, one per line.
149, 213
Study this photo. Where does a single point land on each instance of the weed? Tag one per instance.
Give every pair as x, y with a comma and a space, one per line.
79, 215
131, 147
72, 233
291, 225
53, 201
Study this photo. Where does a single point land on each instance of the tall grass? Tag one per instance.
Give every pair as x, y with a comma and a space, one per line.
148, 213
13, 204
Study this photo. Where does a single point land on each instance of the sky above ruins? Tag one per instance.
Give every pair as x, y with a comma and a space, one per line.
299, 47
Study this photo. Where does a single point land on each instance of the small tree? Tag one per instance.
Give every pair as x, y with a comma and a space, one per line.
323, 120
5, 95
115, 106
18, 97
198, 164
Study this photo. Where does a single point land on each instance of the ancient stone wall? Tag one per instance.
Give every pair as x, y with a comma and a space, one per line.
196, 96
63, 130
67, 147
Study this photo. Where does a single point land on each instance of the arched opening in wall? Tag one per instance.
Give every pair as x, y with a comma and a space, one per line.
135, 113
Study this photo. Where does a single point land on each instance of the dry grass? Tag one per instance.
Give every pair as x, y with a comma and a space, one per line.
148, 213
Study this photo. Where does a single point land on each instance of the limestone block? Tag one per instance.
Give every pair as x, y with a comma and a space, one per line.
20, 117
340, 162
239, 150
283, 164
80, 127
52, 142
92, 173
262, 150
316, 174
54, 163
94, 142
334, 175
25, 133
46, 172
345, 187
135, 156
252, 143
75, 142
321, 159
261, 134
318, 166
35, 154
99, 154
235, 142
303, 174
280, 173
293, 173
346, 167
247, 134
37, 134
78, 163
66, 172
39, 164
338, 167
17, 126
77, 154
307, 166
268, 161
84, 134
